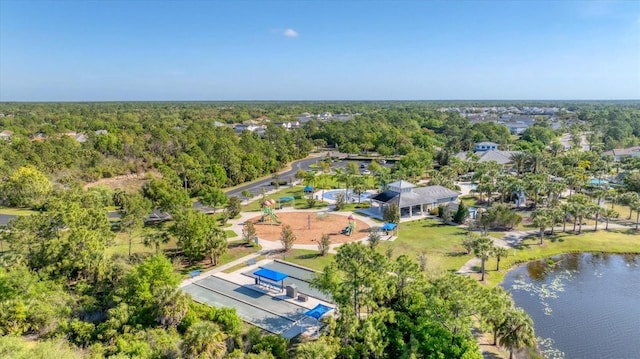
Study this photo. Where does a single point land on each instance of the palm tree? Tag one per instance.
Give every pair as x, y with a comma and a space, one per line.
383, 178
541, 220
310, 179
155, 240
483, 248
534, 184
519, 159
635, 205
612, 196
566, 210
339, 176
499, 252
597, 212
204, 339
171, 306
608, 214
628, 198
556, 214
516, 332
581, 206
556, 147
359, 186
535, 160
554, 190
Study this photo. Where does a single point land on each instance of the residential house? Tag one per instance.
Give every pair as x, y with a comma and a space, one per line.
304, 117
619, 154
500, 157
485, 146
343, 117
288, 124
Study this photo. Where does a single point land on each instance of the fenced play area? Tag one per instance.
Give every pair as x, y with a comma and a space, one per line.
308, 226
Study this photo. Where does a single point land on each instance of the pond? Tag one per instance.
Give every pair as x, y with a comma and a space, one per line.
584, 305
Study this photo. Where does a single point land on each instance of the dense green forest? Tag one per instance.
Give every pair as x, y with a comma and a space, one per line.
62, 295
124, 138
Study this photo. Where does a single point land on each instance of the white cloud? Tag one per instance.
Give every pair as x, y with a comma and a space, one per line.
290, 33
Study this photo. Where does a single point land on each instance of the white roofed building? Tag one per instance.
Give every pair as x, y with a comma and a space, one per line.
411, 200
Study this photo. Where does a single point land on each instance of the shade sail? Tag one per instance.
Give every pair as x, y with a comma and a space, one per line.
286, 199
388, 226
270, 274
318, 311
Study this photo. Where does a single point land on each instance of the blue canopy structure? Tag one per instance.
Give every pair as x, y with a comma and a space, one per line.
270, 275
388, 226
286, 199
318, 311
308, 189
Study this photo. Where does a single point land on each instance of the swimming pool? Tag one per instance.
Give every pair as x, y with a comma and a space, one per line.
350, 197
598, 182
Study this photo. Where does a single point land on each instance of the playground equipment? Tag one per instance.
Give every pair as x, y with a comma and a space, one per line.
268, 214
348, 230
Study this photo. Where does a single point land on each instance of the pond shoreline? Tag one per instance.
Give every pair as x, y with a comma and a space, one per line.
564, 300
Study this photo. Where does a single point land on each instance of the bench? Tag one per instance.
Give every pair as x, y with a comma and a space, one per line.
194, 273
302, 298
251, 262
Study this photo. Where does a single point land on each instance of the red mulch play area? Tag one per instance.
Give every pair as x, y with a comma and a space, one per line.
329, 223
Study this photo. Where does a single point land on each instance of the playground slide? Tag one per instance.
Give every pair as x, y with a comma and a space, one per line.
270, 215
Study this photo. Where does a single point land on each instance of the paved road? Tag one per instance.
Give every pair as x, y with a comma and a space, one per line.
5, 218
257, 186
253, 187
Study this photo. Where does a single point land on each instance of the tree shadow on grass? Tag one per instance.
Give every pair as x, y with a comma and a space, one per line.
308, 256
457, 254
239, 244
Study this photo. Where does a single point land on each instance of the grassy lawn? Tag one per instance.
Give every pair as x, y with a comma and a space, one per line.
330, 182
242, 265
353, 206
231, 234
17, 211
308, 258
469, 200
626, 241
441, 243
236, 250
121, 242
622, 210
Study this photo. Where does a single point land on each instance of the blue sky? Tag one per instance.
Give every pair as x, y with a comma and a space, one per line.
318, 50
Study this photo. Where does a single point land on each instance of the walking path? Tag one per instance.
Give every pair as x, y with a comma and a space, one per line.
512, 239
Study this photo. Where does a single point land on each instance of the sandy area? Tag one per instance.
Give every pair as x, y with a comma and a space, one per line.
329, 223
130, 182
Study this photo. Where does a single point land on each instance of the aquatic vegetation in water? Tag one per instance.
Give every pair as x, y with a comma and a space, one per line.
547, 350
544, 291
